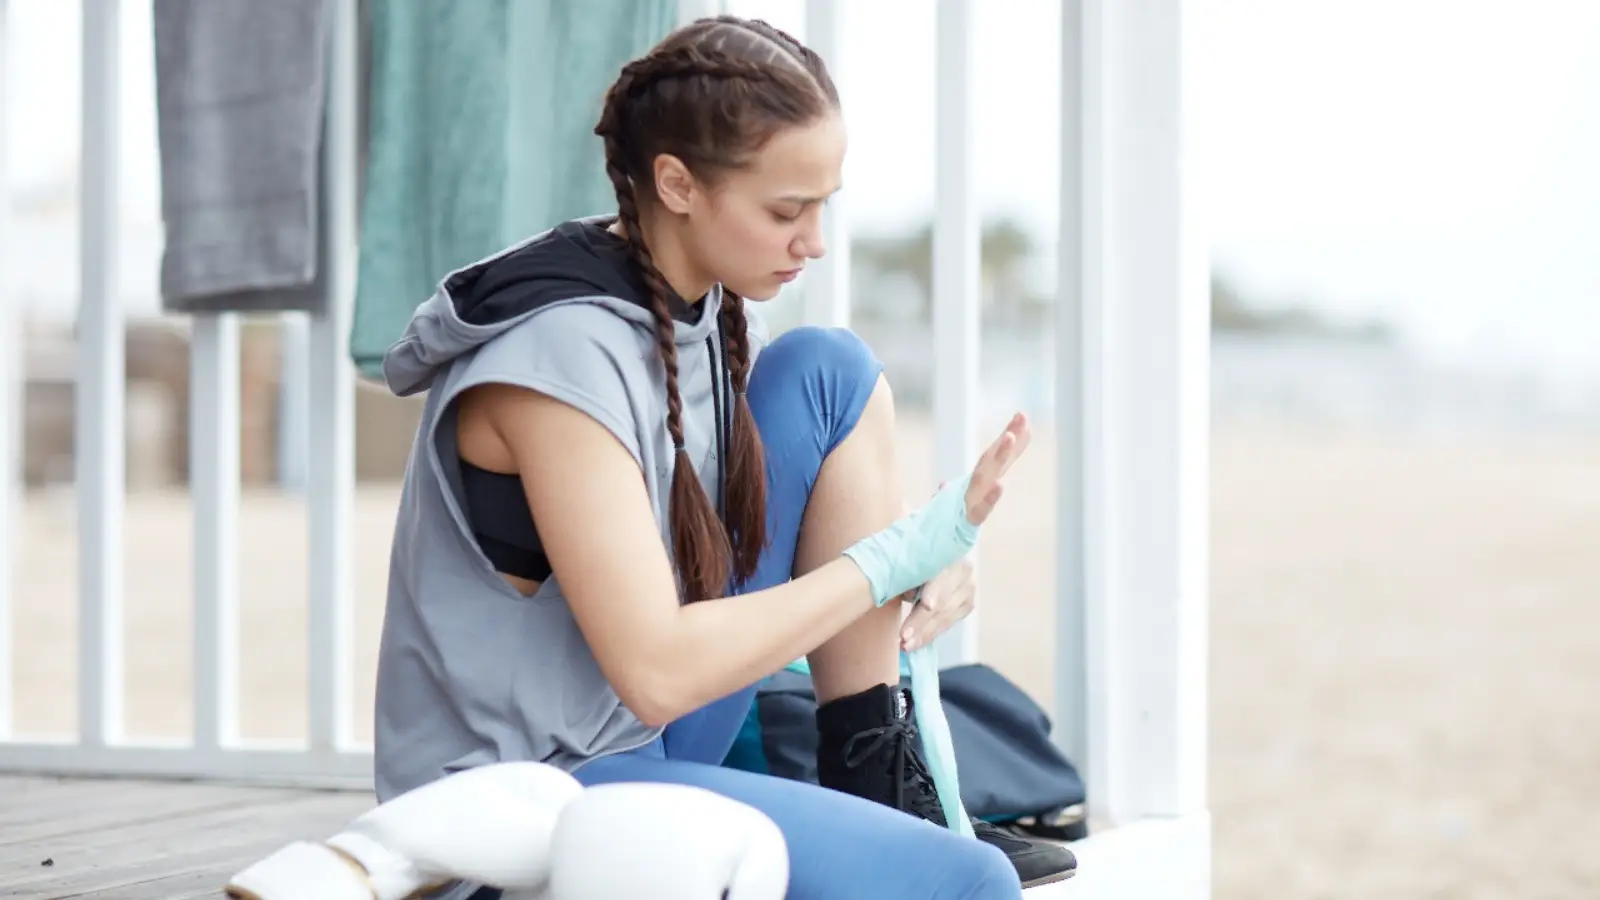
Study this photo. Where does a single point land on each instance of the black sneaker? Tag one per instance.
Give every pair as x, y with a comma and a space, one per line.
1036, 862
868, 746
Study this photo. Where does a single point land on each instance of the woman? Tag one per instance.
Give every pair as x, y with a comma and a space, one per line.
623, 509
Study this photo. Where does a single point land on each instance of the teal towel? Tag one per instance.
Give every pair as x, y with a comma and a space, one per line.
480, 133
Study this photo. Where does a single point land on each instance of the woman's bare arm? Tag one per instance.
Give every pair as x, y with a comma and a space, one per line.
600, 534
598, 530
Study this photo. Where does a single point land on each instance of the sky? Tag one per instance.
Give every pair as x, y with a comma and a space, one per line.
1429, 162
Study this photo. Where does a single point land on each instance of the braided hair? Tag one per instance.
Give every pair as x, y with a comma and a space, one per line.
711, 94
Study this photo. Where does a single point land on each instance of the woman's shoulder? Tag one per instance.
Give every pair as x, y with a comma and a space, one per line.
572, 333
578, 353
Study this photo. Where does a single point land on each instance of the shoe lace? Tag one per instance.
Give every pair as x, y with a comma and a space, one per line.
912, 781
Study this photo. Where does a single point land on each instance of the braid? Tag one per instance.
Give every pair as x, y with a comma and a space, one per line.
666, 345
734, 325
747, 470
699, 542
693, 97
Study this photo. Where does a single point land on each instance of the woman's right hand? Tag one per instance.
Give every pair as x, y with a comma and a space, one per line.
925, 541
987, 481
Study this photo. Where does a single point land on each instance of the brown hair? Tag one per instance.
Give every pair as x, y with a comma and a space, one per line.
711, 94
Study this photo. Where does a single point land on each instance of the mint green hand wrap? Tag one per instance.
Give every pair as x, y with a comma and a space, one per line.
935, 731
906, 555
918, 546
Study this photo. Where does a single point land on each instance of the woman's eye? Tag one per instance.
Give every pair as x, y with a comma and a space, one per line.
784, 217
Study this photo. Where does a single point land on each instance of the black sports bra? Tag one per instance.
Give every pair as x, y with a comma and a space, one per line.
497, 509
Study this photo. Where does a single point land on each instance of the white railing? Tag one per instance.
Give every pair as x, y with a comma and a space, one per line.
216, 749
10, 396
956, 296
1130, 419
98, 429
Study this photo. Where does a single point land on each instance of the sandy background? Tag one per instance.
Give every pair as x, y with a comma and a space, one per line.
1405, 649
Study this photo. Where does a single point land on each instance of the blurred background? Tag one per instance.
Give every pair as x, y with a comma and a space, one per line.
1404, 216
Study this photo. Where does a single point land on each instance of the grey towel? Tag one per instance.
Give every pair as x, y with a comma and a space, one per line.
240, 91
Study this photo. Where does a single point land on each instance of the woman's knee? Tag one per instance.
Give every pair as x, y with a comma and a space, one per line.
814, 348
826, 373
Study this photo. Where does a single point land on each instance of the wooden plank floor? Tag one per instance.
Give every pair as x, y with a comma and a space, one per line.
149, 840
167, 840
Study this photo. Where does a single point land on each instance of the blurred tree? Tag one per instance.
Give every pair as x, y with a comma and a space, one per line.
1004, 251
1231, 312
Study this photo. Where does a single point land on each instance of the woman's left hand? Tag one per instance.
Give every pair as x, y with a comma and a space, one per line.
943, 602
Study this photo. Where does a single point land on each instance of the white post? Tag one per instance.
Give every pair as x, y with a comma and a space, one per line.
1080, 311
956, 300
294, 398
11, 367
827, 285
214, 489
100, 394
1140, 277
332, 464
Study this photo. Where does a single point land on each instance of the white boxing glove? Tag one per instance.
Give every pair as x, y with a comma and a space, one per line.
491, 824
674, 842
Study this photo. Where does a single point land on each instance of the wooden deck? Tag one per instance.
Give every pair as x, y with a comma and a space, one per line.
166, 840
145, 840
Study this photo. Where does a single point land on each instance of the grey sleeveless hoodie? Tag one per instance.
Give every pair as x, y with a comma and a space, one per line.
471, 671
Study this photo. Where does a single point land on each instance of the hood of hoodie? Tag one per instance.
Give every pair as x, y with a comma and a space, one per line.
576, 262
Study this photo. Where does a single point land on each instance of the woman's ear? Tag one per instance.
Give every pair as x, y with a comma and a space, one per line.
675, 184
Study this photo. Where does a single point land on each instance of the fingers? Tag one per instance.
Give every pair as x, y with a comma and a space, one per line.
914, 632
984, 489
1010, 445
927, 624
1006, 449
946, 600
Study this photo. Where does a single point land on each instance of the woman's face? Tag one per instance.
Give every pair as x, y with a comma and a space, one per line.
757, 227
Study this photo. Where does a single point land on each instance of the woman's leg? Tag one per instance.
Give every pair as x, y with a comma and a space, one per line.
827, 425
840, 847
827, 420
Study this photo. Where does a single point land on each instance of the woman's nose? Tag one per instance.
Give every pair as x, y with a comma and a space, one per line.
812, 245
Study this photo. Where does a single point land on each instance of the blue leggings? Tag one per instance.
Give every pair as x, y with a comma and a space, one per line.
806, 392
